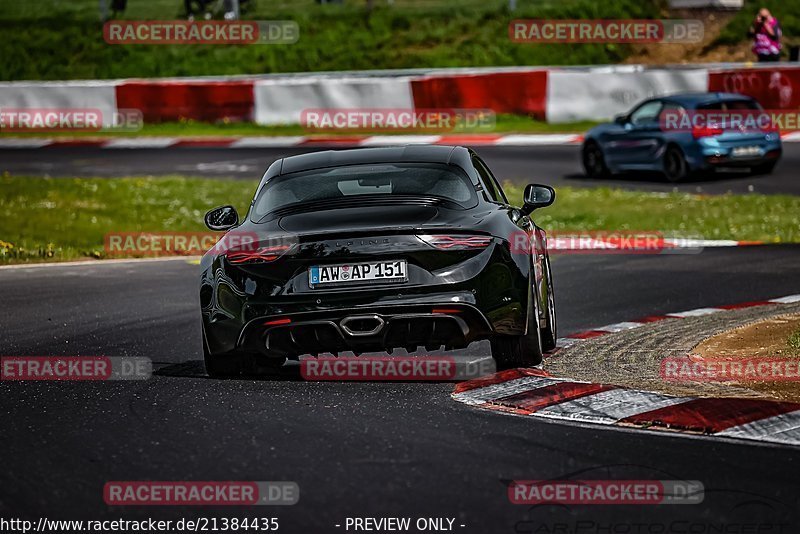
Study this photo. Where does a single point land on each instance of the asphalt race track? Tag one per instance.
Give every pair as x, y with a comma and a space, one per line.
552, 165
360, 449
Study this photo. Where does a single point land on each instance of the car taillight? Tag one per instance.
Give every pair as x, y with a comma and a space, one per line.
259, 255
278, 322
705, 131
449, 242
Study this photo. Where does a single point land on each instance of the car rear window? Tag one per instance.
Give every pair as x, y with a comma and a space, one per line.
362, 181
730, 105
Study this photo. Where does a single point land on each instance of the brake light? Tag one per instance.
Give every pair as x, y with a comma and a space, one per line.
446, 311
259, 255
445, 242
277, 322
705, 131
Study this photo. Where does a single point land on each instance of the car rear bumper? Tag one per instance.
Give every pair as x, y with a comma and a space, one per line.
725, 160
358, 329
712, 153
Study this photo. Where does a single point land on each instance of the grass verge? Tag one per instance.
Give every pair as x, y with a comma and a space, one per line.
57, 219
794, 342
765, 218
60, 40
759, 348
504, 124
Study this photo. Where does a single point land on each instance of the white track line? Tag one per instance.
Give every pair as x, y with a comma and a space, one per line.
96, 263
701, 243
267, 142
540, 139
141, 142
386, 140
24, 143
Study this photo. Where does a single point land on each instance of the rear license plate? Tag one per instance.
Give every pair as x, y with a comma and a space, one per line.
354, 273
746, 152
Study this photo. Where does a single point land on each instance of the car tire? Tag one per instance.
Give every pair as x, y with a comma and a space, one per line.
764, 168
261, 365
676, 169
510, 352
550, 332
594, 163
221, 366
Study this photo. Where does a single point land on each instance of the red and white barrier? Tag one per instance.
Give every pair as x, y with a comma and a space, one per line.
774, 88
518, 92
601, 93
555, 94
281, 101
208, 101
96, 95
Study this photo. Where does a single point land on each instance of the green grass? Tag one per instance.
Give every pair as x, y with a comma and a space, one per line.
62, 219
52, 40
55, 219
794, 342
503, 124
767, 218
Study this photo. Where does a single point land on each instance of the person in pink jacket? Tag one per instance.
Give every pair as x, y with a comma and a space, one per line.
766, 34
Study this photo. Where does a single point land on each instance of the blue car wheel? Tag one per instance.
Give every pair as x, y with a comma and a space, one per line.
675, 167
593, 161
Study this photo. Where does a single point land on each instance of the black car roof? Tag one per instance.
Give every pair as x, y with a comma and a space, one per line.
697, 99
395, 154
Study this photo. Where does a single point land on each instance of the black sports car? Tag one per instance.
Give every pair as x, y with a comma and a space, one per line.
374, 249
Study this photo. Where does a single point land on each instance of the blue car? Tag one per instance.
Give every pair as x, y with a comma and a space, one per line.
639, 140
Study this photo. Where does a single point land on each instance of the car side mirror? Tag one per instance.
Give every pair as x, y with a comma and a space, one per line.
621, 119
222, 218
537, 196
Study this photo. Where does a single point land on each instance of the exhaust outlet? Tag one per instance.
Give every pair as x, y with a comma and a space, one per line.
362, 325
